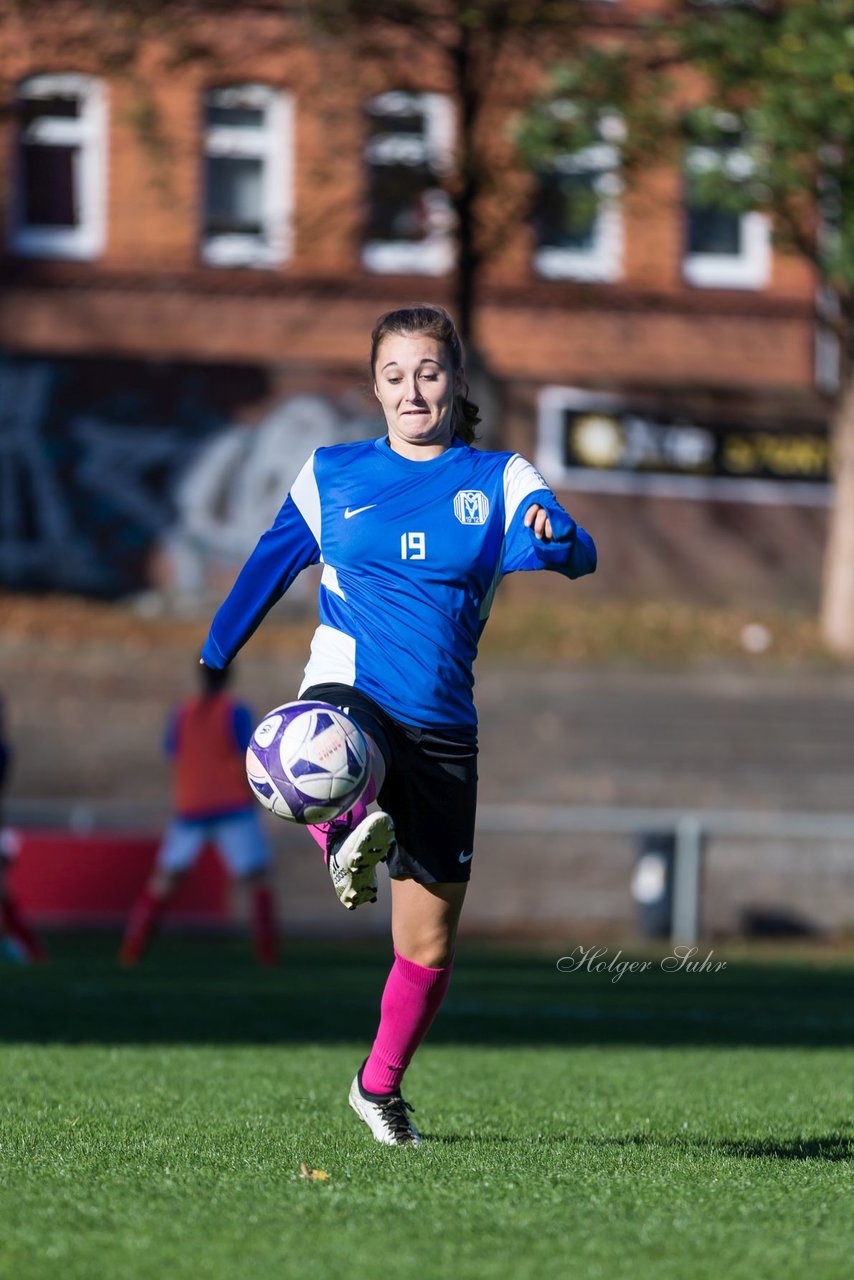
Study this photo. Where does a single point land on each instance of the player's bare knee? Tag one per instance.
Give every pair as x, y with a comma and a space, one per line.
432, 948
429, 956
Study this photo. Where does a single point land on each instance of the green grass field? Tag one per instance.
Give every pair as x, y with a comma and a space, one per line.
669, 1125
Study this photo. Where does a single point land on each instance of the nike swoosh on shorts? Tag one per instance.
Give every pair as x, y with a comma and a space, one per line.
349, 512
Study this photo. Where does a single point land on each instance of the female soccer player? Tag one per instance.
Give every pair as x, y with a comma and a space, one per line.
415, 531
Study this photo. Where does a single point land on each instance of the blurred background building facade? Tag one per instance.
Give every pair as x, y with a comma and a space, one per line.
205, 213
205, 208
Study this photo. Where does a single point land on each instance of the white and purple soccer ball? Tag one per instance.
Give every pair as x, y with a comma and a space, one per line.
307, 762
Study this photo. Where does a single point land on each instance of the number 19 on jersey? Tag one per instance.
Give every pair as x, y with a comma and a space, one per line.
413, 546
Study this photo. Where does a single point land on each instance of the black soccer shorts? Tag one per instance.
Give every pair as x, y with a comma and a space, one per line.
430, 788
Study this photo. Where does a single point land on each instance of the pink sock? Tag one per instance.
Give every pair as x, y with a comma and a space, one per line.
320, 830
410, 1002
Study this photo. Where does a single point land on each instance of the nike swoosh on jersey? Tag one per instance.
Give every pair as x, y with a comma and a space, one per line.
466, 857
349, 512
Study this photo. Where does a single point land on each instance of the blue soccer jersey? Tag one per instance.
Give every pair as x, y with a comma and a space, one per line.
412, 553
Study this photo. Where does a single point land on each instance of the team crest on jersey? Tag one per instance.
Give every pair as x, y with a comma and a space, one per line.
471, 506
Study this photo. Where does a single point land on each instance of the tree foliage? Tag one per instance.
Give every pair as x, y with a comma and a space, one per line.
767, 87
779, 76
467, 40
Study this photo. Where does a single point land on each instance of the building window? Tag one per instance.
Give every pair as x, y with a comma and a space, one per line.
57, 210
578, 225
408, 149
247, 176
723, 248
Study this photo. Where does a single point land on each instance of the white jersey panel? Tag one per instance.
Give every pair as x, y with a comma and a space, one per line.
520, 481
306, 497
486, 602
329, 579
332, 659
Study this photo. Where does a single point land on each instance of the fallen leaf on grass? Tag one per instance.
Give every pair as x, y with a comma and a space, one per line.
319, 1175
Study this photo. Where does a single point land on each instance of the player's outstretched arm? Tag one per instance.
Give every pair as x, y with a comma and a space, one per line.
281, 553
558, 542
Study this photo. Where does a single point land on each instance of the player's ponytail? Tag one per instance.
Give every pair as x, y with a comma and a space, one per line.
433, 322
466, 417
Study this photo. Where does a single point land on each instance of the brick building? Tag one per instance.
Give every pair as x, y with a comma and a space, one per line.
201, 225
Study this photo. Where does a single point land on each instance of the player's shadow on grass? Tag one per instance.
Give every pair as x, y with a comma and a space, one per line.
207, 990
832, 1147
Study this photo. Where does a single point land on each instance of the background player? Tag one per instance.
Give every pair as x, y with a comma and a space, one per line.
206, 740
415, 531
21, 943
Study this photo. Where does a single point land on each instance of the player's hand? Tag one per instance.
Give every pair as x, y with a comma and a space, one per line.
537, 520
557, 526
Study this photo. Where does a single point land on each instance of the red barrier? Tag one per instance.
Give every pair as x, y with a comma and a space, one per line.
62, 878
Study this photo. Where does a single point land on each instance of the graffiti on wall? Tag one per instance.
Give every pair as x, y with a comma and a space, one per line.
118, 477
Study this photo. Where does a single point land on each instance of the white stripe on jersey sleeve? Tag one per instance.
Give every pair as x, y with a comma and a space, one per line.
332, 660
306, 498
520, 480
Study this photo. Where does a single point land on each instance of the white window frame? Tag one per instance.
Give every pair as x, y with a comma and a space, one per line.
603, 261
749, 269
88, 135
434, 254
272, 144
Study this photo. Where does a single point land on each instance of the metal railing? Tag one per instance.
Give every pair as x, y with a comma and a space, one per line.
689, 828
